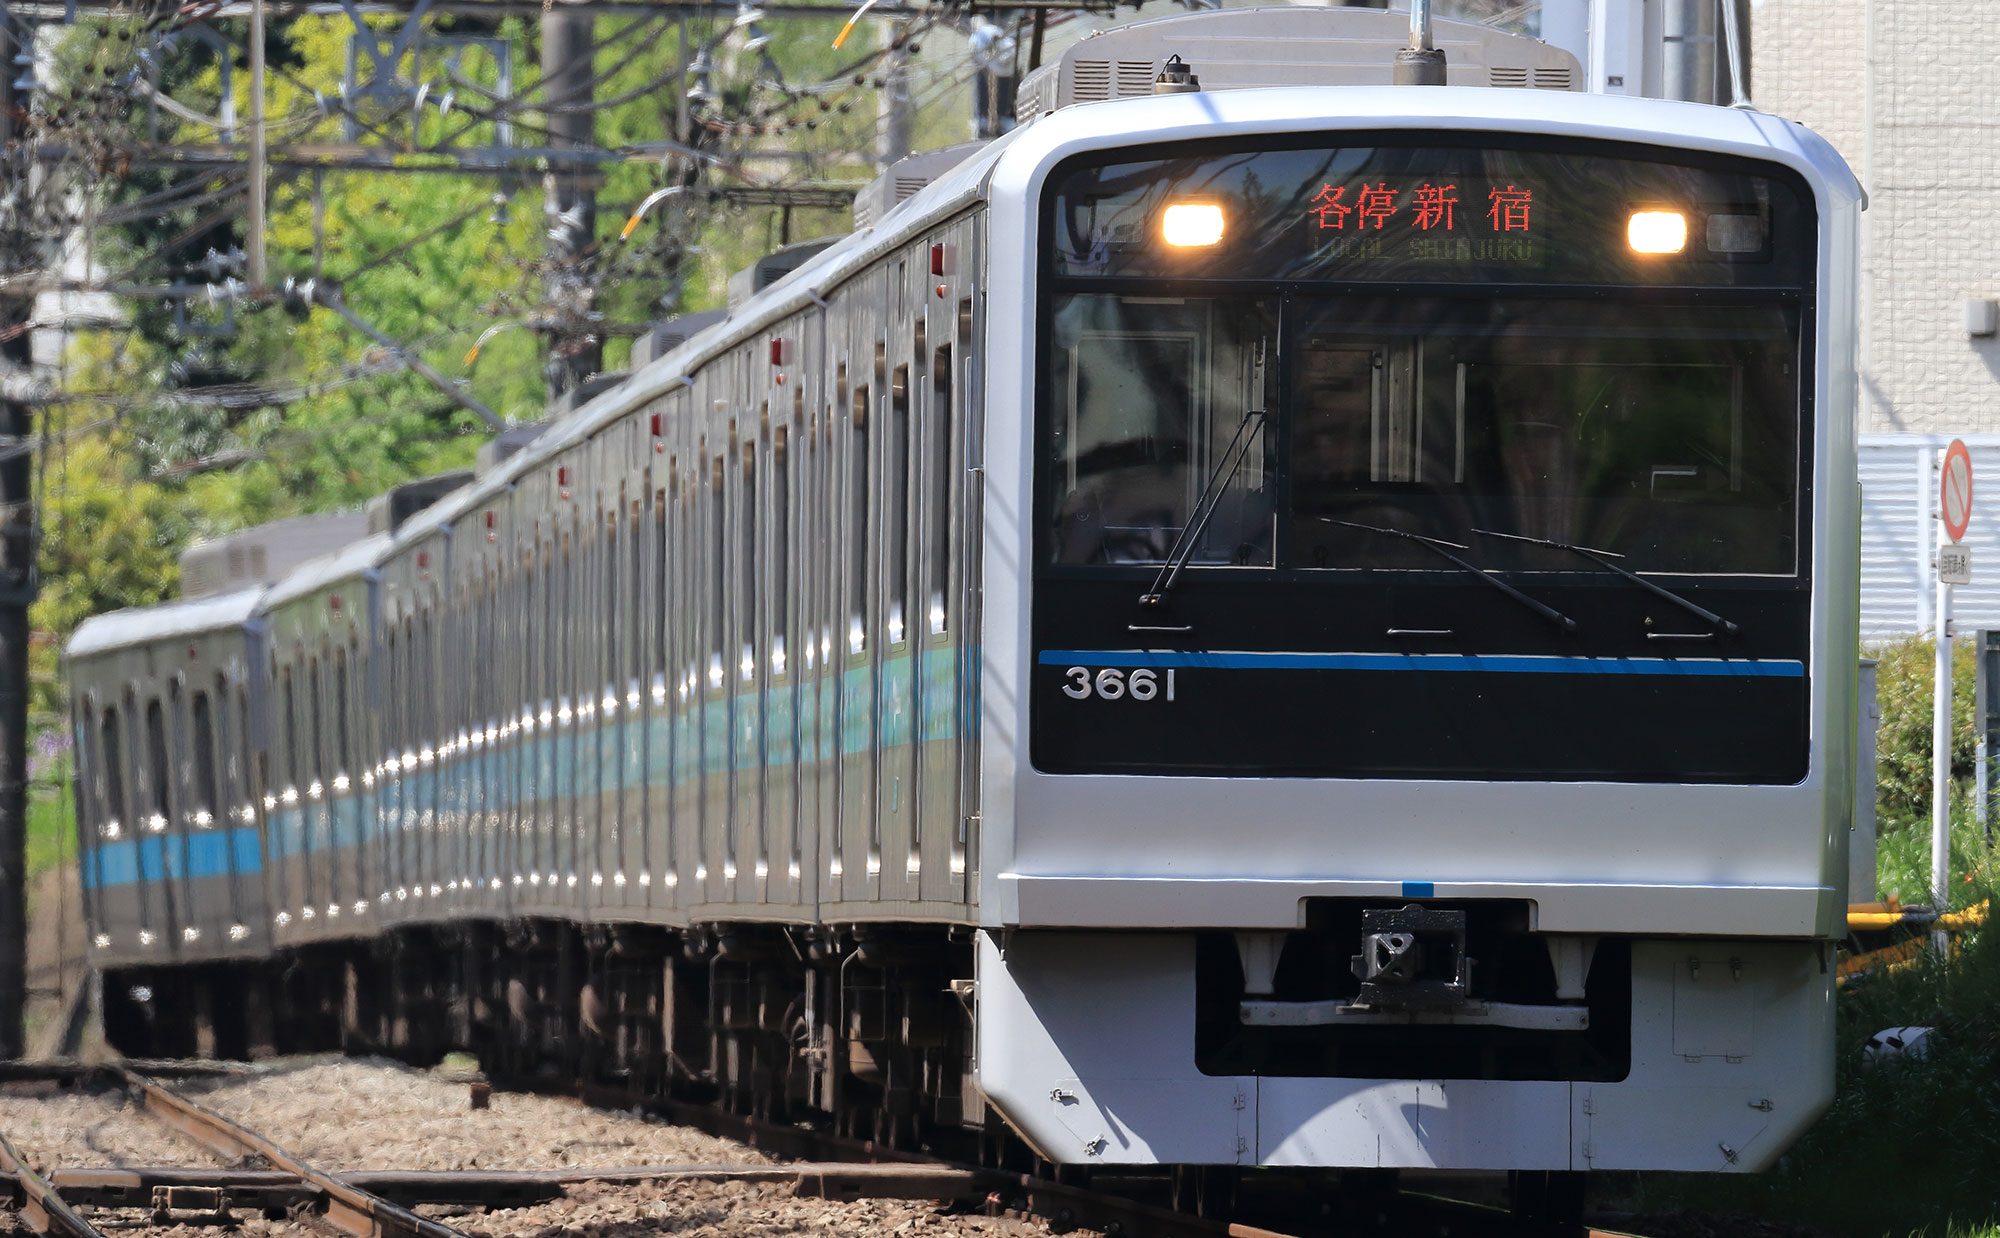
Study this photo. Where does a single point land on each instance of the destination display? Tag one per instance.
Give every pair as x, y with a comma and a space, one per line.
1490, 212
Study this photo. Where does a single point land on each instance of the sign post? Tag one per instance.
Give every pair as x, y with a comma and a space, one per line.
1954, 566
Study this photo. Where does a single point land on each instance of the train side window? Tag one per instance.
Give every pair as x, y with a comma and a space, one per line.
113, 756
897, 509
746, 564
780, 557
158, 771
718, 576
202, 723
857, 524
941, 480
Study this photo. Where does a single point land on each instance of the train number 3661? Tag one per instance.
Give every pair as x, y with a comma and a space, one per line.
1111, 684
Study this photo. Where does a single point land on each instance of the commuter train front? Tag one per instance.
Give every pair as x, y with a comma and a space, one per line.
1419, 595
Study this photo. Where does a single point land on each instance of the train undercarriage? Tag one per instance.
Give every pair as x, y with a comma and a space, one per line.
866, 1031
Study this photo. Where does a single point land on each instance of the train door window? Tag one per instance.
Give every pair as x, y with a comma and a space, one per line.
638, 593
315, 715
718, 575
390, 731
940, 532
857, 523
343, 753
157, 767
607, 559
897, 509
746, 566
202, 724
662, 614
780, 558
112, 753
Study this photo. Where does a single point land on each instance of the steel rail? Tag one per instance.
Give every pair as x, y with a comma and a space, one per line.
42, 1207
134, 1186
348, 1207
1060, 1202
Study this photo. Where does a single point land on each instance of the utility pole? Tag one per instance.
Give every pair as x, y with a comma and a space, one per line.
893, 111
567, 42
253, 244
18, 254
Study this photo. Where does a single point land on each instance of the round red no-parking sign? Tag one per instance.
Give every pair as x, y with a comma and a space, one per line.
1955, 490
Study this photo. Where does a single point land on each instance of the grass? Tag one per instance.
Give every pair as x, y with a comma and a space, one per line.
51, 829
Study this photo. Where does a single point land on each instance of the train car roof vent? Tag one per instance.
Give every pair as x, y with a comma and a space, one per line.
1305, 45
261, 555
586, 391
496, 450
773, 267
388, 511
903, 178
670, 333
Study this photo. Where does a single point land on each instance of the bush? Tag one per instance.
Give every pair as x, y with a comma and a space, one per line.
1903, 744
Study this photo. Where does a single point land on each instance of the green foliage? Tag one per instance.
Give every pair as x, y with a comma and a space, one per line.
1903, 681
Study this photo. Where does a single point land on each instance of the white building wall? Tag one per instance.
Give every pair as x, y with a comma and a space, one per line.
1909, 92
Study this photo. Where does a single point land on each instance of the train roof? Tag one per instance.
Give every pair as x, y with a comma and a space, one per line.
169, 620
343, 564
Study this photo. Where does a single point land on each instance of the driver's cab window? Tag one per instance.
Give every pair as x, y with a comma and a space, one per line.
1162, 403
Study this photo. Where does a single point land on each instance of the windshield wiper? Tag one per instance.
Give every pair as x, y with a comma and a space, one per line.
1204, 507
1602, 558
1438, 546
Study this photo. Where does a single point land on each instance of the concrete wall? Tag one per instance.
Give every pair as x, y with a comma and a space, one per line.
1909, 91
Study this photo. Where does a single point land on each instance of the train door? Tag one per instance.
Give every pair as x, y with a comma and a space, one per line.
943, 872
777, 880
174, 768
893, 849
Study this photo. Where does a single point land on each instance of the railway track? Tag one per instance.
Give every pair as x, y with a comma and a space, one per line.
261, 1175
257, 1175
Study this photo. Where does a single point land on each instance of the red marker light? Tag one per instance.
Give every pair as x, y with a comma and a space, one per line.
333, 602
489, 518
777, 350
656, 425
937, 260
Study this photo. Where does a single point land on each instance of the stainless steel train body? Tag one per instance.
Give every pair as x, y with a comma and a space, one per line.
167, 703
788, 640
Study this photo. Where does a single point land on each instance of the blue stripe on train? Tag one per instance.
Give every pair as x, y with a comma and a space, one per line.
1483, 663
194, 856
557, 763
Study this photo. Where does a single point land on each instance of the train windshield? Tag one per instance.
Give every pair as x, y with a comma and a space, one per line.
1664, 433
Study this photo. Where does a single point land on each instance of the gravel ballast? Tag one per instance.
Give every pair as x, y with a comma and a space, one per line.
357, 1115
61, 1128
731, 1210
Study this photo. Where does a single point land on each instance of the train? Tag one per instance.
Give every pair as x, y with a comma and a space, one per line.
1263, 620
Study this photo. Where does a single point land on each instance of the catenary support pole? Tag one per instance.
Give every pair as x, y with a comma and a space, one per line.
567, 44
253, 224
17, 574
